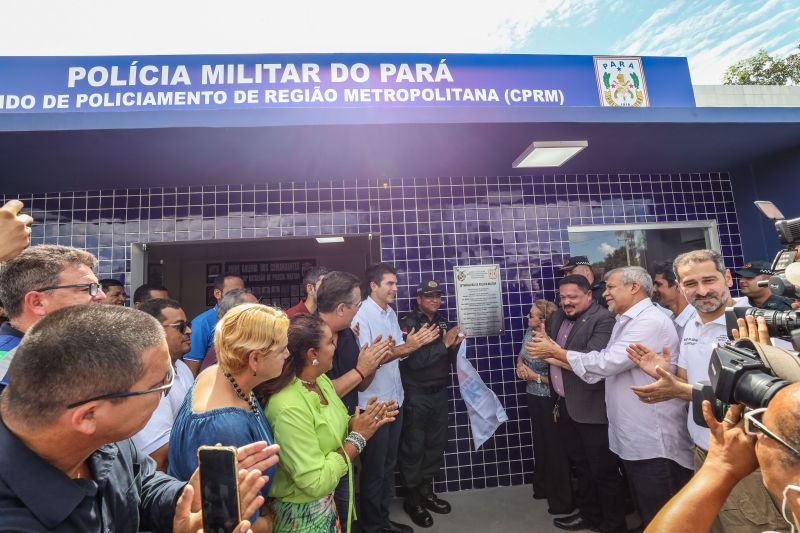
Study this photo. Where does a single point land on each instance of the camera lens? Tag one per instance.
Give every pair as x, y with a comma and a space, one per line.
779, 323
755, 389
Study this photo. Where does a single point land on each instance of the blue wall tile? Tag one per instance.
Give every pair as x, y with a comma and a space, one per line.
426, 227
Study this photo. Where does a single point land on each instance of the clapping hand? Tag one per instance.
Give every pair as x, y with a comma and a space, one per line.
648, 360
373, 355
452, 337
426, 335
667, 387
373, 417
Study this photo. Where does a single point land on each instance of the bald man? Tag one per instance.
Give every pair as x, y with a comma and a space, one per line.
769, 439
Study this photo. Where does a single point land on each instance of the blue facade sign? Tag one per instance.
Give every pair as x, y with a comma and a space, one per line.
157, 83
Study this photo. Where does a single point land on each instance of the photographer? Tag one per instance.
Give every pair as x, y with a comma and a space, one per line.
767, 438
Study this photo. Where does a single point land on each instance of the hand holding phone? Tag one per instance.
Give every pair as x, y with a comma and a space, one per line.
219, 488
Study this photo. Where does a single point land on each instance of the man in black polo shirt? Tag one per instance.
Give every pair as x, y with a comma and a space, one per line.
749, 275
104, 369
425, 374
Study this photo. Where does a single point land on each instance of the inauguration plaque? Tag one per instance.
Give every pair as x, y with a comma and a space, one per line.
479, 300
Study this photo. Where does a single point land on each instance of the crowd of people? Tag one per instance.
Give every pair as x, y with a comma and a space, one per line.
104, 407
609, 393
312, 398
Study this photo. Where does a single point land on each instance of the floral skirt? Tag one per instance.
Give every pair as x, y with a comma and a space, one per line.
314, 517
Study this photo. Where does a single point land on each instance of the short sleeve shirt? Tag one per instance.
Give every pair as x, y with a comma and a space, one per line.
202, 334
697, 344
156, 433
373, 321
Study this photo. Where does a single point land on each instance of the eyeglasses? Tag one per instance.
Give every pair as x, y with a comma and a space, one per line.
357, 305
181, 326
164, 389
93, 288
754, 426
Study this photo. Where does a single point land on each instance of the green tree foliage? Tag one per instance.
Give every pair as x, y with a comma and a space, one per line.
763, 69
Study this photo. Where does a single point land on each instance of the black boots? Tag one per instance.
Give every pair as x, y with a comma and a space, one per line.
431, 501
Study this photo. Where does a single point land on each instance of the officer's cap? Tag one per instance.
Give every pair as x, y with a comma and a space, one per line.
754, 268
572, 262
428, 287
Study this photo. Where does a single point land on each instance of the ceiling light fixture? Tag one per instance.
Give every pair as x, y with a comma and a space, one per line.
548, 153
328, 240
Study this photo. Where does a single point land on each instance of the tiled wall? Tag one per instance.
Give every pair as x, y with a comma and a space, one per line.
427, 226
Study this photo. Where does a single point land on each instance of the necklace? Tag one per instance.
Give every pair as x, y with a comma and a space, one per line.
309, 383
251, 400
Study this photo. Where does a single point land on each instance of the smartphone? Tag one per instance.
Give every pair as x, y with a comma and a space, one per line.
219, 486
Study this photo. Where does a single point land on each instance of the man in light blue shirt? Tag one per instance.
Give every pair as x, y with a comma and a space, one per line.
203, 324
375, 318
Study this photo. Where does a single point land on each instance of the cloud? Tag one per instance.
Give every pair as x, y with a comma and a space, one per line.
606, 249
694, 30
250, 26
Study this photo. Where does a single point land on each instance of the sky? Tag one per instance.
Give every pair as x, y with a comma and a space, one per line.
711, 34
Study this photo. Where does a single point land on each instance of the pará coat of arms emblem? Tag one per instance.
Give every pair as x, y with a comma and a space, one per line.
620, 81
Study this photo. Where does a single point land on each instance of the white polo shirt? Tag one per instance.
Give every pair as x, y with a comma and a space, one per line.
689, 313
373, 321
157, 431
697, 344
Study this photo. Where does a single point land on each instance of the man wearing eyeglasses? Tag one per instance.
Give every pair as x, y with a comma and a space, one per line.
153, 439
67, 462
768, 438
39, 281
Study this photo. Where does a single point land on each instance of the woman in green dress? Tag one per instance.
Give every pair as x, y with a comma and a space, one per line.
318, 438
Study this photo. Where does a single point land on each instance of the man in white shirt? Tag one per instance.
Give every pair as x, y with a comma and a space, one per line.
652, 441
668, 294
153, 439
706, 283
376, 318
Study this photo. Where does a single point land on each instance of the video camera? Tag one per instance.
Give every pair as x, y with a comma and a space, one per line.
748, 372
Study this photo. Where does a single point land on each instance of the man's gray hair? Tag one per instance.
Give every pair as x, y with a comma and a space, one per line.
36, 268
231, 299
634, 274
698, 256
77, 353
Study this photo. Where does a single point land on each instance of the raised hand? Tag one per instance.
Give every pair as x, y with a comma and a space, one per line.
731, 451
752, 328
188, 517
648, 360
15, 230
667, 387
374, 416
371, 356
452, 338
426, 335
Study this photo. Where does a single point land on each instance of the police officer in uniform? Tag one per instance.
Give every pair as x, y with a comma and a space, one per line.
579, 265
425, 374
749, 275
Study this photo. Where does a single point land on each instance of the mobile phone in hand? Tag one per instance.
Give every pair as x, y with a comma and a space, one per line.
219, 488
